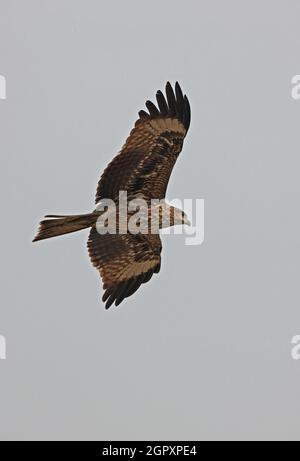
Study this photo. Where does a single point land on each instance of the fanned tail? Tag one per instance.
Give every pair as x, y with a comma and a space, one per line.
56, 225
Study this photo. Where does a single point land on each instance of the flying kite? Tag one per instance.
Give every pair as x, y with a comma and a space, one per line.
142, 169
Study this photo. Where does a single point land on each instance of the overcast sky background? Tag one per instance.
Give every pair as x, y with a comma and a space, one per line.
203, 351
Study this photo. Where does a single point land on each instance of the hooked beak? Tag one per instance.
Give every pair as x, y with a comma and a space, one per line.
187, 221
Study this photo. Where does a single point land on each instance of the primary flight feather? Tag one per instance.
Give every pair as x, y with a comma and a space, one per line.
142, 169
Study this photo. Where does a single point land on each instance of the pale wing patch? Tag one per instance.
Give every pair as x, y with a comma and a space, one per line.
137, 268
145, 133
167, 124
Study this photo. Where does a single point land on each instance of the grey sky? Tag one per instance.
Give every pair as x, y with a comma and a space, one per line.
203, 350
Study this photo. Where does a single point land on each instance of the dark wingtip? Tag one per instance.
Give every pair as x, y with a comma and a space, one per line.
186, 113
109, 303
175, 104
168, 86
143, 114
37, 238
162, 103
124, 289
152, 108
105, 295
177, 87
118, 301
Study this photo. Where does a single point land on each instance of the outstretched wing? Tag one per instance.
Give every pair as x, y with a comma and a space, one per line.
146, 160
124, 261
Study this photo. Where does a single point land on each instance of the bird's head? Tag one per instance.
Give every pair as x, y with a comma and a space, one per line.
178, 217
168, 216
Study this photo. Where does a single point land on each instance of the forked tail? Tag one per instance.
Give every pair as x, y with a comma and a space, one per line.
56, 225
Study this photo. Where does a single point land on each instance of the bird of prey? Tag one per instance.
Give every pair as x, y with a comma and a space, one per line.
142, 169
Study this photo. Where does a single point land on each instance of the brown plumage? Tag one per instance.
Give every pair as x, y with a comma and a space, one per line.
147, 158
124, 261
142, 168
